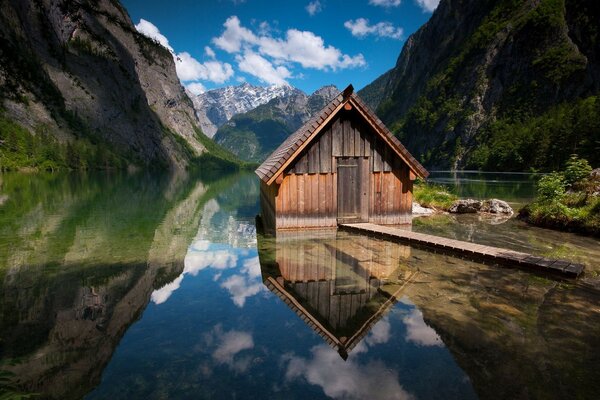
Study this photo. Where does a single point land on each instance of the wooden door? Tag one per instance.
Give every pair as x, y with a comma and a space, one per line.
349, 189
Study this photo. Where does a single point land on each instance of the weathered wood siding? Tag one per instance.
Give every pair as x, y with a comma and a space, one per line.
337, 278
267, 205
308, 193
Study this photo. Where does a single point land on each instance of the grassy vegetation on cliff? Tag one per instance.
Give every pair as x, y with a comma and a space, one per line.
543, 103
567, 200
19, 149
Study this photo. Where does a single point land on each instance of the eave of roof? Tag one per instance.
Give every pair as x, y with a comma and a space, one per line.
296, 142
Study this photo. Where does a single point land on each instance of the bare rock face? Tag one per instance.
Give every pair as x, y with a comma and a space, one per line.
495, 206
84, 64
467, 206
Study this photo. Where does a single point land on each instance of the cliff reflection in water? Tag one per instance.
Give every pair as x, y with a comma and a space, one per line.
80, 256
131, 286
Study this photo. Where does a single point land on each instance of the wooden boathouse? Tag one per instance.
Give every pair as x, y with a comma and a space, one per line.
342, 166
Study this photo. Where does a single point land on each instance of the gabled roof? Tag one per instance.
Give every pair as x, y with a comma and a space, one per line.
296, 142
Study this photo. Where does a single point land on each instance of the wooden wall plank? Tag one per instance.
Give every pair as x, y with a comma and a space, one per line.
314, 183
301, 201
313, 158
377, 162
334, 195
323, 198
348, 138
301, 166
367, 133
337, 140
365, 177
357, 139
325, 151
387, 157
308, 217
293, 210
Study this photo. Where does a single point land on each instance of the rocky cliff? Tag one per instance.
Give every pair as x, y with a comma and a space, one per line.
253, 135
81, 81
497, 84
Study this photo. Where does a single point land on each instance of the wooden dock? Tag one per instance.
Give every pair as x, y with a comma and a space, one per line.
471, 250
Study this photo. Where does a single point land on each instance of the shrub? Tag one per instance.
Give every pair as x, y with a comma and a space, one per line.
576, 170
551, 187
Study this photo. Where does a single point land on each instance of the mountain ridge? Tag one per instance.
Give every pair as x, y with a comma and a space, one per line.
217, 106
82, 88
253, 135
498, 85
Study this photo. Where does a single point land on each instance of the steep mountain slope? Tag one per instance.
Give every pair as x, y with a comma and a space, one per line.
497, 84
253, 135
80, 86
217, 106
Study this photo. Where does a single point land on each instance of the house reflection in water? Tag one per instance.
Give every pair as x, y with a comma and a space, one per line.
340, 285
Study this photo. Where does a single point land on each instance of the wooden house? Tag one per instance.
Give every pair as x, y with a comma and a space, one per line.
342, 166
339, 284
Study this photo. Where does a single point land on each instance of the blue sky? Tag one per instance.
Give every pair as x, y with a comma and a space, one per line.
305, 43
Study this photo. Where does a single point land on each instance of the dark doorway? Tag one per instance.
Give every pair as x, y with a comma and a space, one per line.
349, 189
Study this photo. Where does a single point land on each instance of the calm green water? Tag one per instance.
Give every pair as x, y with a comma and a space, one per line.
132, 286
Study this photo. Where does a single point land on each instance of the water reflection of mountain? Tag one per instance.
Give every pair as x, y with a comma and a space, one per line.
85, 255
340, 285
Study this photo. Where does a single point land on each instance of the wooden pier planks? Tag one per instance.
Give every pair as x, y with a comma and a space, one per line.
480, 251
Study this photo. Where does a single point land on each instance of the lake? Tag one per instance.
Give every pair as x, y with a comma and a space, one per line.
127, 286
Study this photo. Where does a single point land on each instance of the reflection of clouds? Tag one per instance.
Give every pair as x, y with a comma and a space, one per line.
241, 287
380, 332
252, 266
345, 379
229, 344
222, 244
197, 260
203, 254
418, 332
161, 295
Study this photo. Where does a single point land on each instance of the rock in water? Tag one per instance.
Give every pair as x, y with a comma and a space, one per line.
465, 206
418, 209
496, 206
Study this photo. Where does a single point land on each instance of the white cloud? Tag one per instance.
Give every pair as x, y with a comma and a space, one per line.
418, 332
196, 88
261, 68
231, 40
428, 5
150, 30
190, 69
187, 67
385, 3
302, 47
309, 51
361, 28
209, 52
348, 379
313, 7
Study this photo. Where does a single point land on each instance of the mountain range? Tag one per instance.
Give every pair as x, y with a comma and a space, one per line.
253, 135
217, 106
500, 85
